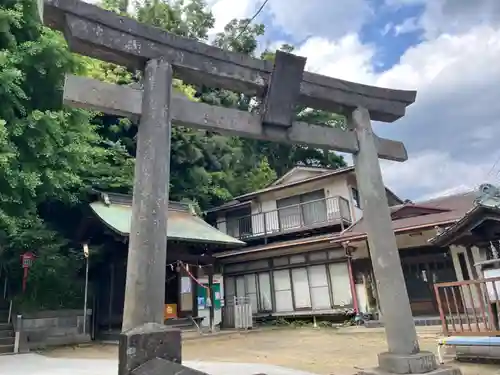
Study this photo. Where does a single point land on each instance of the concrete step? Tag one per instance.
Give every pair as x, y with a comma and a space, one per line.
6, 333
5, 326
6, 341
184, 324
6, 349
181, 323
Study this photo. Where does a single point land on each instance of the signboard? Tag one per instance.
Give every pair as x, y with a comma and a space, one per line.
27, 259
170, 311
26, 262
202, 295
185, 285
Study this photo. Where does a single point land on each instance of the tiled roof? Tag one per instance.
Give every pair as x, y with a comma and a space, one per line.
116, 213
293, 183
468, 222
276, 245
453, 207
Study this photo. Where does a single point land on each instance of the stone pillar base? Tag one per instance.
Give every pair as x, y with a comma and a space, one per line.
401, 364
145, 343
420, 363
159, 366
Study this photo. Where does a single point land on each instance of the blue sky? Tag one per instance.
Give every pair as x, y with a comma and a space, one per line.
447, 50
382, 30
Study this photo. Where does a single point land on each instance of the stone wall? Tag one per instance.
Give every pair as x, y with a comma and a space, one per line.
50, 328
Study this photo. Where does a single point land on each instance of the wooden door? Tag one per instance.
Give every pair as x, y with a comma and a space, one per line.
421, 273
419, 289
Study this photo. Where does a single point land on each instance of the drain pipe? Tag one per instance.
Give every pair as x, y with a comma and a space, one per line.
352, 282
9, 318
17, 337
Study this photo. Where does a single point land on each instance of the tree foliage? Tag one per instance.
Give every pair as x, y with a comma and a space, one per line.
47, 154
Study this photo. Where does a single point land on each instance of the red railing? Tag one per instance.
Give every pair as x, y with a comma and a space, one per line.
469, 308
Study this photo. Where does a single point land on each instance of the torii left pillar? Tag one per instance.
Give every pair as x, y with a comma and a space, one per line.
144, 337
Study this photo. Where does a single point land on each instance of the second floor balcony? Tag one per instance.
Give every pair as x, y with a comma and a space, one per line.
290, 218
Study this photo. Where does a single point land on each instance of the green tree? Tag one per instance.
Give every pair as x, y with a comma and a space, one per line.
48, 155
206, 167
240, 36
118, 6
188, 18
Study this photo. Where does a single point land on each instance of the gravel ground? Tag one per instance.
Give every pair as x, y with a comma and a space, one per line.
321, 351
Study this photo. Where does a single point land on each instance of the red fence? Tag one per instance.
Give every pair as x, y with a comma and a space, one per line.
469, 307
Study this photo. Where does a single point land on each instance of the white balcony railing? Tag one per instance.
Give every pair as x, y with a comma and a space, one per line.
318, 213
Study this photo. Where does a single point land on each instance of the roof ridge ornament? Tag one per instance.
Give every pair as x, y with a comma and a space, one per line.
488, 195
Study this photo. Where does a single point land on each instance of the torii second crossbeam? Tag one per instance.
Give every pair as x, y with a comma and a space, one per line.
127, 101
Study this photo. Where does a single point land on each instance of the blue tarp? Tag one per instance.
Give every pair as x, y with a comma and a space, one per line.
470, 341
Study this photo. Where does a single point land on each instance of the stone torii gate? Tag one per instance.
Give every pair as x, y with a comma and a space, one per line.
146, 346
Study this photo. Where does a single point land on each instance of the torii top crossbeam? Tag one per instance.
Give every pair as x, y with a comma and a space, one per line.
98, 33
95, 32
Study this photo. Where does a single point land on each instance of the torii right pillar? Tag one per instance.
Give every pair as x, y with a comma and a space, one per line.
404, 355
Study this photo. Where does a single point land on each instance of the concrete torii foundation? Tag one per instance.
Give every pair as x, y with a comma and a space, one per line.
146, 345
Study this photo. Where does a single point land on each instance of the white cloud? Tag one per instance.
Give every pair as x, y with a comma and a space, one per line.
452, 129
297, 18
409, 25
448, 175
225, 11
388, 27
453, 16
347, 58
319, 18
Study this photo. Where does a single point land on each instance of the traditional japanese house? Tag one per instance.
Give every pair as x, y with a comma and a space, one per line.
474, 243
424, 263
191, 245
307, 252
291, 267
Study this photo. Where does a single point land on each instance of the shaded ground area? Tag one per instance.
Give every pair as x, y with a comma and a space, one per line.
321, 351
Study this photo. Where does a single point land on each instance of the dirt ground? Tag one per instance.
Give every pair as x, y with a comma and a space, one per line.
322, 351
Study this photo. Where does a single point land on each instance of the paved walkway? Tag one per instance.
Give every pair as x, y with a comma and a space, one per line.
35, 364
